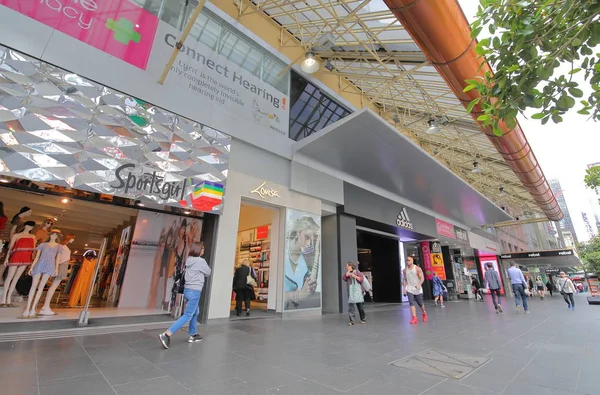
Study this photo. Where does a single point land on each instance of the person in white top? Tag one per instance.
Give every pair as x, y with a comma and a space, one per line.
413, 288
567, 289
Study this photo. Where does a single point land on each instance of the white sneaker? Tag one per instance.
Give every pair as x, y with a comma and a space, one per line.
27, 314
46, 312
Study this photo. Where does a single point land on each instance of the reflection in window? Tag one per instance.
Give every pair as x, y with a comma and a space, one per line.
218, 35
311, 110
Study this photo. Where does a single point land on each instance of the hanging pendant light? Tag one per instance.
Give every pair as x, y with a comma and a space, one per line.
310, 64
433, 127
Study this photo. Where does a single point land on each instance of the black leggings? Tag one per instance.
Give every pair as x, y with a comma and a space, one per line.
569, 299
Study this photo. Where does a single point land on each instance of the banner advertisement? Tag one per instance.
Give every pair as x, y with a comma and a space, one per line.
118, 27
159, 248
302, 271
211, 78
444, 228
426, 253
593, 283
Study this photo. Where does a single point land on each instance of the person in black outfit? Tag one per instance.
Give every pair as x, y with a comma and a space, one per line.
243, 291
476, 289
550, 287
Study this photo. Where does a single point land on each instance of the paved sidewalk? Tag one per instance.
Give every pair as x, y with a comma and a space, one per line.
553, 351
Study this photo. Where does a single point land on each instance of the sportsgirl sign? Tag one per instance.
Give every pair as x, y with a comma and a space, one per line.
117, 27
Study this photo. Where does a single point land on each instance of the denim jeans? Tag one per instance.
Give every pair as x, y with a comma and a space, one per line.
519, 291
495, 297
352, 313
192, 297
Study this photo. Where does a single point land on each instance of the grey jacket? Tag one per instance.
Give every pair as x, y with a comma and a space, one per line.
196, 269
492, 279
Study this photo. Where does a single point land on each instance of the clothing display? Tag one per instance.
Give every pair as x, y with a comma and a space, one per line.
63, 258
21, 253
46, 263
81, 286
41, 235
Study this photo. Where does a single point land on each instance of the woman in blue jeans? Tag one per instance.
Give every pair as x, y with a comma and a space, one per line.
196, 270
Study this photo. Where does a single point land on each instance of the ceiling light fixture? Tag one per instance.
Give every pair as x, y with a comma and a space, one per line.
310, 64
433, 127
328, 65
476, 168
502, 193
396, 118
64, 200
187, 212
141, 204
4, 180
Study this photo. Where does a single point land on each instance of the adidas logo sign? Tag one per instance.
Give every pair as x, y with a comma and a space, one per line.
403, 220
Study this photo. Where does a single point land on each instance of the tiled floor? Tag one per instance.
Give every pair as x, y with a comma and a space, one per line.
553, 351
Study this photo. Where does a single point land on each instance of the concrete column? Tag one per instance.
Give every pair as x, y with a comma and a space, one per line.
339, 247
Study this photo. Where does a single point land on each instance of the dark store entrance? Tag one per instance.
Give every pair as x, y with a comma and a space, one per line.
379, 260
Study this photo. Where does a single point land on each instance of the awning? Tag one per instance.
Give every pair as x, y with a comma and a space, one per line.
566, 258
365, 147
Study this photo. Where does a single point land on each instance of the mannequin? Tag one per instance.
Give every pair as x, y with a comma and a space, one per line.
81, 286
62, 261
17, 221
4, 239
41, 234
44, 266
19, 256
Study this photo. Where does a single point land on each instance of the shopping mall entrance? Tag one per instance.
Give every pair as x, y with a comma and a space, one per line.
257, 246
379, 261
134, 278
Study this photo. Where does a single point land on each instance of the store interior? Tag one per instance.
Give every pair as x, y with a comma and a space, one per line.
258, 242
379, 260
86, 223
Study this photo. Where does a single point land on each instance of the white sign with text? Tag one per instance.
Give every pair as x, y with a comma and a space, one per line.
214, 80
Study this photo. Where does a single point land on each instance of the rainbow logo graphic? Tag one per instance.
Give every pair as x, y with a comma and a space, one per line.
205, 196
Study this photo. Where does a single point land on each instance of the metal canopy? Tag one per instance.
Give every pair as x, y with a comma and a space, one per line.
363, 145
363, 42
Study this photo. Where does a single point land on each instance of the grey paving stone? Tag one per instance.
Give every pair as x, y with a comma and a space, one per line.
304, 387
94, 384
64, 368
155, 386
18, 383
127, 370
109, 352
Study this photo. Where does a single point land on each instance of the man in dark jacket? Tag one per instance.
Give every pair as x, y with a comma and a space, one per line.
492, 279
243, 291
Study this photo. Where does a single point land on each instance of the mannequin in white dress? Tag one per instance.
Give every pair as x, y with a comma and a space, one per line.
63, 258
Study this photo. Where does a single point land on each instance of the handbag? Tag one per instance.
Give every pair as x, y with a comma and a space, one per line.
366, 285
249, 279
355, 294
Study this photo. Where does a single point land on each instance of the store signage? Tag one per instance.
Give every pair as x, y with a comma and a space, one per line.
552, 270
265, 193
262, 232
444, 228
448, 230
403, 220
148, 184
461, 234
540, 254
118, 27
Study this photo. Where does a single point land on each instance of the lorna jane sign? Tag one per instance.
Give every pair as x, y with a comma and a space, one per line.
117, 27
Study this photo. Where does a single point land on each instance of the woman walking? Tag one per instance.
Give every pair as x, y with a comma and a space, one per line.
476, 289
539, 286
550, 287
196, 270
567, 289
244, 290
438, 289
354, 279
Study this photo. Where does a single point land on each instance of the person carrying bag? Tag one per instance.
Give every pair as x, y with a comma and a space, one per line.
355, 281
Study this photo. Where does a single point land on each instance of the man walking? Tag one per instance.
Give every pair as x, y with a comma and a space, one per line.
518, 283
413, 288
492, 279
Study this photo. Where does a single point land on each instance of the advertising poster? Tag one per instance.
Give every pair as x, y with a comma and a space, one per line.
593, 283
160, 246
437, 265
302, 264
113, 293
428, 269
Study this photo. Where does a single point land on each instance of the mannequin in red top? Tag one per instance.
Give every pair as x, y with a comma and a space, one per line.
19, 257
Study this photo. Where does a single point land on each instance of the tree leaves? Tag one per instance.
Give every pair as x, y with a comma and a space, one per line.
529, 41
